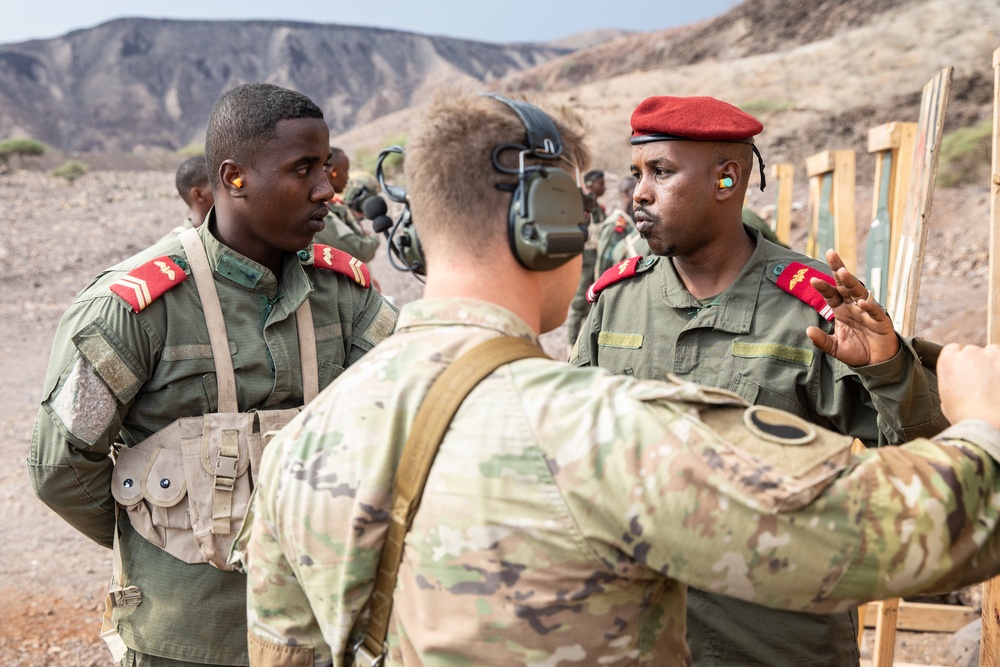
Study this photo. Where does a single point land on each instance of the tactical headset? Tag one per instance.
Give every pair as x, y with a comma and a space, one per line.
547, 223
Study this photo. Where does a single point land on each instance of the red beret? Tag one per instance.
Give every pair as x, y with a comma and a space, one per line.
699, 118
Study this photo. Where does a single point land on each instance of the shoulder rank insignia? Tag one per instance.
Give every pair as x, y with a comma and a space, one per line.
795, 280
620, 271
337, 200
145, 284
620, 224
328, 257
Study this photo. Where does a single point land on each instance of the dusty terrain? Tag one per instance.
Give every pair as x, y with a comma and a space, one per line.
56, 236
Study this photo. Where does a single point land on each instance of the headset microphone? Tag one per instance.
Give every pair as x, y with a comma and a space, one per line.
376, 210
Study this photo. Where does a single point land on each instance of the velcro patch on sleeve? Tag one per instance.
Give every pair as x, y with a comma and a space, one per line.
795, 280
620, 271
145, 284
328, 257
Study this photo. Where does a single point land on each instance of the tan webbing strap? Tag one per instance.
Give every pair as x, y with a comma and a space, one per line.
307, 352
204, 280
117, 597
433, 418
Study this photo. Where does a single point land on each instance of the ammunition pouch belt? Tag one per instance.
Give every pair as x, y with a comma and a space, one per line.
187, 487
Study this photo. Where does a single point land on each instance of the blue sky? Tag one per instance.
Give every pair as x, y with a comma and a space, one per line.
494, 21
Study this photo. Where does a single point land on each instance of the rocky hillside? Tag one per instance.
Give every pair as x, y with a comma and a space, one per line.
818, 74
134, 83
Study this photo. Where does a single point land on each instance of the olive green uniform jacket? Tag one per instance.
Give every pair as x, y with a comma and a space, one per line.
614, 230
118, 375
343, 233
751, 340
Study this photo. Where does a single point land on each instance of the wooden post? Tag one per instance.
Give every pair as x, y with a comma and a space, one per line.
831, 190
784, 175
989, 643
908, 262
893, 145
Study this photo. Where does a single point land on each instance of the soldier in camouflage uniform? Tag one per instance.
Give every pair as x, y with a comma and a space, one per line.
567, 508
721, 306
342, 230
578, 309
132, 355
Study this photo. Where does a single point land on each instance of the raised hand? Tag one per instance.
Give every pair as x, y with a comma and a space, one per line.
863, 333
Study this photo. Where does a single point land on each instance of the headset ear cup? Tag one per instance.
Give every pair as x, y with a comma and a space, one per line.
548, 232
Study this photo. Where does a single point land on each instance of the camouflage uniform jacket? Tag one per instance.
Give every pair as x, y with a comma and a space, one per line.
566, 506
751, 340
119, 375
343, 233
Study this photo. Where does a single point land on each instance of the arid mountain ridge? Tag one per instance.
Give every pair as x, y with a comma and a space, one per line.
133, 83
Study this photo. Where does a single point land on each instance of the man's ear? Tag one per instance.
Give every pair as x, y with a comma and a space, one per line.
728, 180
197, 194
232, 179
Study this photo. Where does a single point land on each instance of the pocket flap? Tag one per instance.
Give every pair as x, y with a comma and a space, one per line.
164, 483
126, 477
224, 445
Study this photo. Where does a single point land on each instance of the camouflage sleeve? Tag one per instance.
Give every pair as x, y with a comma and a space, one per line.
896, 402
96, 367
282, 627
802, 528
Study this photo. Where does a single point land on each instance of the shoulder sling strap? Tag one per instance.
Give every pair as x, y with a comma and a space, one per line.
226, 378
436, 411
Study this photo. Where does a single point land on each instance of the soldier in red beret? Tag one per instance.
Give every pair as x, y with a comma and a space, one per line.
719, 305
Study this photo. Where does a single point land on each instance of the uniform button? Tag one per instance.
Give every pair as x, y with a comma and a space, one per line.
128, 483
164, 483
303, 255
778, 268
648, 261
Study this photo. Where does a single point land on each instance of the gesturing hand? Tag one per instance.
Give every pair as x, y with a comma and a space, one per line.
863, 333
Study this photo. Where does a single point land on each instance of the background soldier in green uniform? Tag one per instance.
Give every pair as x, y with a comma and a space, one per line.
723, 307
616, 227
342, 230
194, 188
567, 507
133, 354
578, 308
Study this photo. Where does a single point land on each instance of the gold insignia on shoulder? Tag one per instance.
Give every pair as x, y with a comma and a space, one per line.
622, 267
797, 278
778, 426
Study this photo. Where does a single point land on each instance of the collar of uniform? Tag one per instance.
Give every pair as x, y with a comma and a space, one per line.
234, 267
734, 314
465, 313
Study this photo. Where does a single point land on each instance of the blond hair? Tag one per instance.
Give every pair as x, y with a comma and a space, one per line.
450, 177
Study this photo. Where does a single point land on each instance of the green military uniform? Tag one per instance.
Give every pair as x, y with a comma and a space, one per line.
120, 375
184, 226
567, 507
579, 307
615, 228
751, 340
633, 245
343, 233
751, 219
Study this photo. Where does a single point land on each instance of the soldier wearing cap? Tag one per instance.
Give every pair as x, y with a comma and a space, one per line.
721, 306
169, 370
594, 182
342, 230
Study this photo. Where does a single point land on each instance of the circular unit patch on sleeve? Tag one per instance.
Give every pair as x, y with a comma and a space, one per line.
777, 426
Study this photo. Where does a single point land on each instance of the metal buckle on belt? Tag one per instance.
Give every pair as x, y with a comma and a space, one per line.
130, 596
364, 658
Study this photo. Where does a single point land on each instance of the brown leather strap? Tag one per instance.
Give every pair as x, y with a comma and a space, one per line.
433, 418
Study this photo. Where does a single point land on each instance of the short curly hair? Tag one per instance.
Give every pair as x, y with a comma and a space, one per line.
245, 119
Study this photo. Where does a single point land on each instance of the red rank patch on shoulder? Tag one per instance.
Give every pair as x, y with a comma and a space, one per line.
620, 224
145, 284
620, 271
795, 280
328, 257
